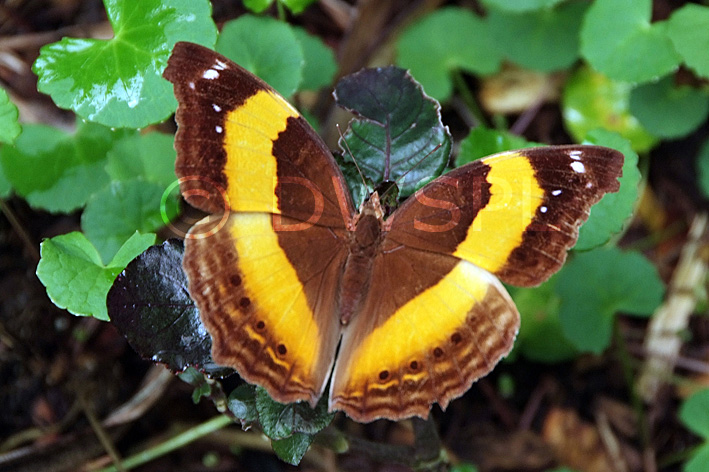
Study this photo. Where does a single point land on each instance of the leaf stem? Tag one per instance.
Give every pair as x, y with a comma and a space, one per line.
469, 98
176, 442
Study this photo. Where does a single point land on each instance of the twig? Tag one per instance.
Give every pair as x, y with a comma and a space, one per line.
663, 341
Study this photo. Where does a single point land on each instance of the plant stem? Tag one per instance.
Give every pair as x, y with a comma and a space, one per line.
176, 442
468, 98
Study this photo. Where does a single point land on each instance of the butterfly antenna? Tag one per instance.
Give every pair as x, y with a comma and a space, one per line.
349, 151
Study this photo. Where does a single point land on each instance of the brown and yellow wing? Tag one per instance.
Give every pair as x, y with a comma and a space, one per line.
514, 214
264, 274
239, 139
423, 340
436, 317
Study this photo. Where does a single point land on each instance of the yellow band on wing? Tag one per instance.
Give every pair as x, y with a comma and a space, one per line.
426, 321
249, 132
274, 287
515, 196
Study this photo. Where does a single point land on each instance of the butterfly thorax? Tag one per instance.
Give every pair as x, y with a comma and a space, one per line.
364, 243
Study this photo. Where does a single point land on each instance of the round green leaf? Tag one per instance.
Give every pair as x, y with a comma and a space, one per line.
76, 279
618, 40
257, 6
113, 214
591, 100
540, 335
668, 111
297, 6
610, 214
545, 40
689, 31
482, 142
429, 50
694, 413
699, 460
320, 66
9, 127
118, 82
266, 47
520, 5
150, 156
595, 285
56, 171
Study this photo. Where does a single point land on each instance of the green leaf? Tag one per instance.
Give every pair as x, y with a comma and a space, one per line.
115, 212
280, 421
699, 460
541, 337
694, 413
668, 111
76, 279
544, 40
688, 29
150, 305
591, 100
703, 168
520, 5
594, 285
398, 135
9, 126
482, 142
242, 403
266, 47
619, 41
610, 214
56, 171
150, 156
429, 50
320, 65
297, 6
118, 82
257, 6
5, 185
293, 448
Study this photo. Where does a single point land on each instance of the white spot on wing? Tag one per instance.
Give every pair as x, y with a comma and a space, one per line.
216, 107
556, 193
210, 74
218, 129
575, 155
191, 85
219, 64
543, 209
578, 167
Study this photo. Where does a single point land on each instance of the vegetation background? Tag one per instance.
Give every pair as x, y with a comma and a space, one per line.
610, 368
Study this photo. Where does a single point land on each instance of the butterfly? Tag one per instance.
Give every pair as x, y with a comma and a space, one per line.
298, 288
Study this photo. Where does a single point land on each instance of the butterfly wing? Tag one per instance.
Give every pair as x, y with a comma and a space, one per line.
263, 268
448, 320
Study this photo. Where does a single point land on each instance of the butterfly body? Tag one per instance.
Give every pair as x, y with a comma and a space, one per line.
297, 288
